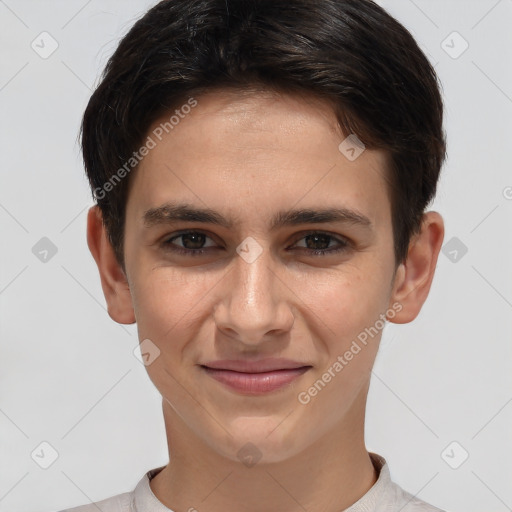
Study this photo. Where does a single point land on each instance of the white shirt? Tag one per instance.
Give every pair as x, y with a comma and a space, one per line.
383, 496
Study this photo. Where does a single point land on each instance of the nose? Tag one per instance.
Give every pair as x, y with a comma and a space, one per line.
254, 304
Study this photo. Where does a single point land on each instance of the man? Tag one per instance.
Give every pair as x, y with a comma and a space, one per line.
262, 170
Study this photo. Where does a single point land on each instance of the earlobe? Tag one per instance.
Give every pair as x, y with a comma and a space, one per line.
414, 276
113, 280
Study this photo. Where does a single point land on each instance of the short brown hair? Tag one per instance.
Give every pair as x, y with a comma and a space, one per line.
348, 52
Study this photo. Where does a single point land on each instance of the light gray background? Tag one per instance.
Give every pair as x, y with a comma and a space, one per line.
68, 373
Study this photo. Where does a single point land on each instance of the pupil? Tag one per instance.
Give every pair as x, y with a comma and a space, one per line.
197, 240
324, 239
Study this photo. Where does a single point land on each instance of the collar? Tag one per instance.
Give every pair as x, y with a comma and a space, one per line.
144, 500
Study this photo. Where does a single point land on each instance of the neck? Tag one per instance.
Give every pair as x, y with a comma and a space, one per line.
329, 475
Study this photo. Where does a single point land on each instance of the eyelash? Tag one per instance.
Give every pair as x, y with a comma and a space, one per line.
344, 244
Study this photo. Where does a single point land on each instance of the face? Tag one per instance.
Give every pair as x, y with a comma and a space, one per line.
253, 275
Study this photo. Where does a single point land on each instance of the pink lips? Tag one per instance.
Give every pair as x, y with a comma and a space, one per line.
255, 377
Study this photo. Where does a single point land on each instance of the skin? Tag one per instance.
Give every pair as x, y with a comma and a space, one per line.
248, 156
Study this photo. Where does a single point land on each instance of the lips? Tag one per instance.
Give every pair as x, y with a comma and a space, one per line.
255, 377
247, 366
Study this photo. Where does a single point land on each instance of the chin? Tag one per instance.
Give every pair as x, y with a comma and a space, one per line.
259, 440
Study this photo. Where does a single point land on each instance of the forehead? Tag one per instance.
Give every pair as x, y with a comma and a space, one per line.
239, 151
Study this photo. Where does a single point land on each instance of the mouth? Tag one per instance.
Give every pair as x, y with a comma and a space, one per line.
255, 377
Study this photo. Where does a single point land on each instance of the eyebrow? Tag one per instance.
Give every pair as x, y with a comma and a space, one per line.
169, 213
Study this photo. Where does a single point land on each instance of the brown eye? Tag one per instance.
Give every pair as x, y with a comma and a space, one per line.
319, 244
193, 240
192, 243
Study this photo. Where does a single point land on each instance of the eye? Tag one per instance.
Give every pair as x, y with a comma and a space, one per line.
192, 243
318, 243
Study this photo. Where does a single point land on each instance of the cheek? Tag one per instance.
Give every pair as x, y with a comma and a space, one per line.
168, 308
167, 304
347, 313
347, 302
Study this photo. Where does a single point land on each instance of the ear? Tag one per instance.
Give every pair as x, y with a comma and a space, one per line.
113, 279
414, 276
